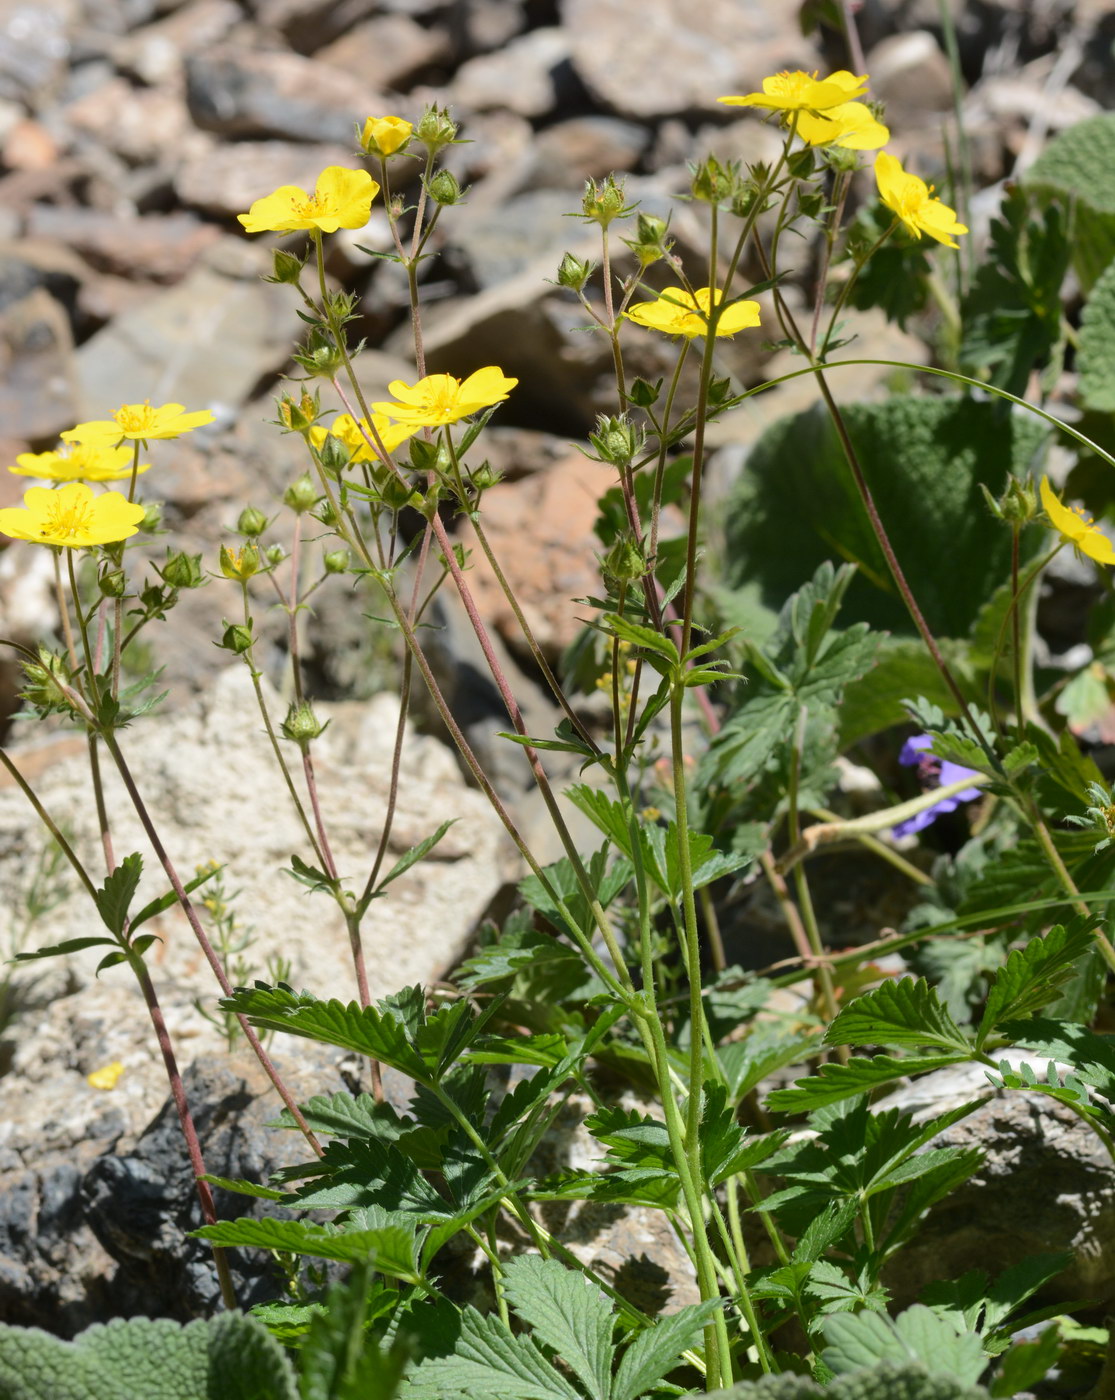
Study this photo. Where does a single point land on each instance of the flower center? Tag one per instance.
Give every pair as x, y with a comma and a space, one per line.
441, 399
138, 418
312, 208
65, 522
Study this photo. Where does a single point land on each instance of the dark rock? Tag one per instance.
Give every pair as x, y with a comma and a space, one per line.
38, 396
239, 93
308, 24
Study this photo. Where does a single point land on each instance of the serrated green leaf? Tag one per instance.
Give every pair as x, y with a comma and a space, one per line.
902, 1012
565, 1311
170, 898
834, 1082
657, 1350
60, 950
415, 854
1097, 345
390, 1250
116, 894
918, 1334
363, 1030
1032, 976
245, 1188
339, 1359
1077, 165
1092, 1056
488, 1360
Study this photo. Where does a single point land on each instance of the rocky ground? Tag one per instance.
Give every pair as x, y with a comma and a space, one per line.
131, 134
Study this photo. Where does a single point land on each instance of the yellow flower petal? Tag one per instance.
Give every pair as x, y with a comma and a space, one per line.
797, 92
680, 312
138, 422
383, 136
342, 198
107, 1077
850, 125
440, 398
72, 516
1076, 527
347, 430
82, 462
912, 200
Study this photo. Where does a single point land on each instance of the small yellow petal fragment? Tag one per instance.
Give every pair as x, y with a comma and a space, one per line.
107, 1077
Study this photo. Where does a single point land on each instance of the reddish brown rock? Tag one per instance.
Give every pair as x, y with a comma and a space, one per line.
540, 530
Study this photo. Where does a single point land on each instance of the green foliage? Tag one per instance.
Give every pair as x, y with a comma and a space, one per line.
884, 1382
229, 1357
919, 1334
925, 460
1012, 315
564, 1316
1077, 165
1097, 345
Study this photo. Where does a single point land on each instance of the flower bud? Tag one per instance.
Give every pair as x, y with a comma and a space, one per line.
327, 513
274, 555
183, 570
45, 682
251, 523
113, 583
484, 476
712, 182
840, 159
336, 561
383, 136
152, 522
301, 725
603, 201
1018, 504
574, 272
616, 440
650, 243
625, 561
444, 188
296, 415
237, 637
239, 564
436, 129
288, 267
428, 456
301, 495
320, 357
334, 454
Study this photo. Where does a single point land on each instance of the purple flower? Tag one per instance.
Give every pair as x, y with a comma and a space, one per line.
933, 772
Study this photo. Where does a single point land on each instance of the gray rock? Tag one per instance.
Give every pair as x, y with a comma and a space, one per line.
523, 77
141, 125
155, 53
388, 51
568, 153
675, 57
308, 24
910, 73
1045, 1185
161, 247
227, 179
34, 46
152, 351
38, 392
241, 94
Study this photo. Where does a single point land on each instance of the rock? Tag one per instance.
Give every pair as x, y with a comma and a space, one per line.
155, 53
676, 58
26, 264
29, 146
525, 77
247, 327
499, 238
141, 125
308, 24
910, 73
388, 52
484, 25
540, 530
34, 47
160, 247
243, 94
38, 392
228, 179
1045, 1186
568, 153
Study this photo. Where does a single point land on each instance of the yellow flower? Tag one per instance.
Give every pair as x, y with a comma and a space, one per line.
351, 433
912, 200
850, 125
678, 312
107, 1077
1076, 527
72, 516
803, 92
440, 399
81, 462
383, 136
139, 422
341, 199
